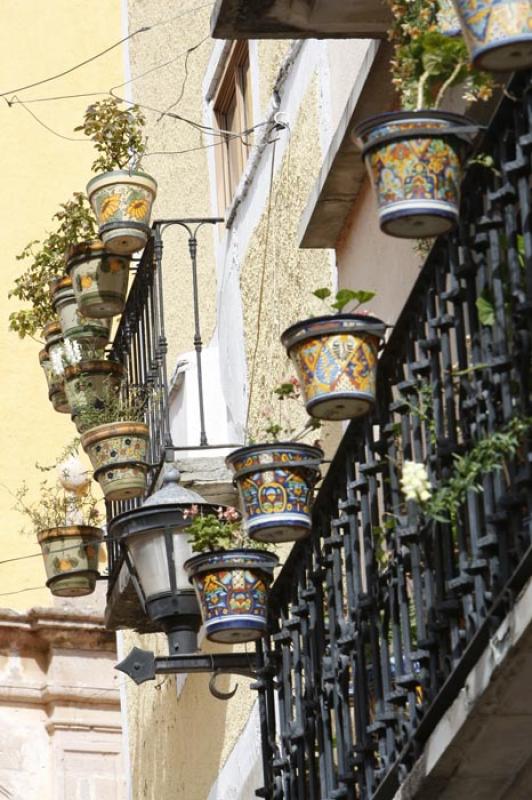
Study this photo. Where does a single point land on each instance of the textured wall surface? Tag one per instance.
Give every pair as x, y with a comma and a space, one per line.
39, 171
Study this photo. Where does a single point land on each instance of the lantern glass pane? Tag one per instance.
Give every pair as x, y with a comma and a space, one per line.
149, 555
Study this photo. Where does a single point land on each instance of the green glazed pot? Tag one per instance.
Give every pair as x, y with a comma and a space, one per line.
232, 591
99, 280
93, 333
118, 454
122, 202
89, 383
498, 33
56, 383
414, 160
71, 559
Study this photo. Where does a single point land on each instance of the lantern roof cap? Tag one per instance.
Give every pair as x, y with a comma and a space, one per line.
172, 493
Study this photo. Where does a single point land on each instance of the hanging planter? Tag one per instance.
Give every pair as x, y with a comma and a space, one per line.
56, 383
276, 486
118, 452
336, 361
71, 559
498, 33
90, 384
91, 332
232, 590
99, 280
122, 201
414, 159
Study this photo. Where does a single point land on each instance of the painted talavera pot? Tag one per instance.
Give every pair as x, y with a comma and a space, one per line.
99, 280
118, 454
90, 383
56, 383
93, 333
71, 559
447, 20
414, 160
232, 591
335, 358
276, 488
122, 202
498, 33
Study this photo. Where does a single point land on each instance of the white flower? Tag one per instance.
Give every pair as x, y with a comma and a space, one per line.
56, 360
415, 482
72, 351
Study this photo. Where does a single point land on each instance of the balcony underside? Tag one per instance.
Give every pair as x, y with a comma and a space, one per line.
300, 19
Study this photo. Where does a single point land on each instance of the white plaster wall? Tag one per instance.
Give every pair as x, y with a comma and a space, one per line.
242, 772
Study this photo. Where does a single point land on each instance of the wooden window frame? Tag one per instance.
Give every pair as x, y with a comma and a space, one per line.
233, 97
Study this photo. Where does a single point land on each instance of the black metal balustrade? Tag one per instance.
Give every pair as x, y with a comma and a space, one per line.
140, 344
376, 620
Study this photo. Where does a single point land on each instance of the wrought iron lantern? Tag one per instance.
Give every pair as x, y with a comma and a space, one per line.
155, 544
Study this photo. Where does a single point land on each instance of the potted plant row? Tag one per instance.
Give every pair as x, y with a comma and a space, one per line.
231, 575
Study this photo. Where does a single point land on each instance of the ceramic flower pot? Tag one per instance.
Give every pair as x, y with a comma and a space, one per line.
232, 591
99, 280
498, 33
56, 383
71, 559
276, 486
122, 202
336, 361
89, 383
91, 332
119, 453
447, 20
414, 160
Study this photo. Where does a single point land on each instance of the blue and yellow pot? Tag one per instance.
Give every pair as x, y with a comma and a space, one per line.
414, 160
336, 362
276, 487
232, 591
498, 33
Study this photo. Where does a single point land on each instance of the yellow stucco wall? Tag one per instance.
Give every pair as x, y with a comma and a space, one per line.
39, 171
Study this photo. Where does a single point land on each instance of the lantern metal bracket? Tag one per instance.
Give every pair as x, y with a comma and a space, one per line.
143, 665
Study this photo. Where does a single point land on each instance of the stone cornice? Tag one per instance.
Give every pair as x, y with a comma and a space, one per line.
40, 629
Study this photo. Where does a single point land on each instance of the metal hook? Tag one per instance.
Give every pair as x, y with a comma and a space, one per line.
216, 692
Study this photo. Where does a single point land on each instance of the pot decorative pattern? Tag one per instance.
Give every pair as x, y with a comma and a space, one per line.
276, 488
122, 202
56, 384
71, 559
336, 361
498, 33
448, 22
92, 332
232, 592
89, 383
118, 454
100, 282
416, 179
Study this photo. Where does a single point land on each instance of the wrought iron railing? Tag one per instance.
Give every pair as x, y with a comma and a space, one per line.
140, 344
376, 620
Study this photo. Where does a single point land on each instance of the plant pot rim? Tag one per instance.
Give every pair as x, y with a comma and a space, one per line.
70, 530
330, 325
203, 562
386, 117
111, 429
51, 328
117, 176
94, 366
241, 452
86, 248
43, 355
61, 284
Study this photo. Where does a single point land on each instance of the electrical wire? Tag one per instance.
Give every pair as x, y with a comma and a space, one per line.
101, 53
182, 92
51, 130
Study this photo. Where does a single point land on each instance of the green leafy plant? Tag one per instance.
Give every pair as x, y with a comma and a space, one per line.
112, 406
54, 507
221, 530
426, 63
343, 298
117, 134
46, 264
278, 426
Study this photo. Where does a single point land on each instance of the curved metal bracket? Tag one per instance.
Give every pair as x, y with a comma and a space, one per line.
216, 692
